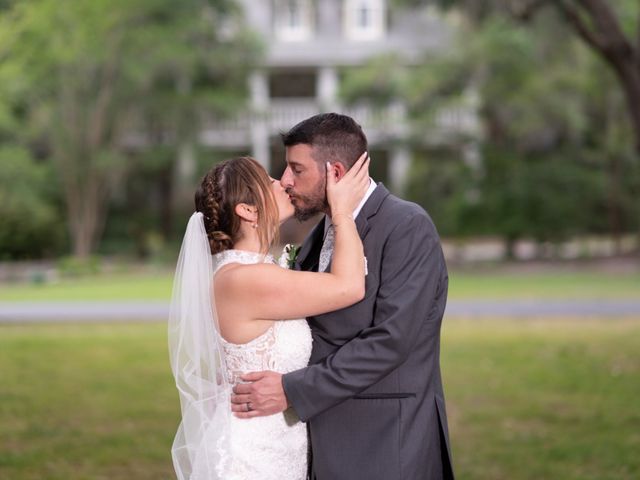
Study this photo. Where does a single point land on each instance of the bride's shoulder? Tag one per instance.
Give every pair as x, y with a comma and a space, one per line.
244, 276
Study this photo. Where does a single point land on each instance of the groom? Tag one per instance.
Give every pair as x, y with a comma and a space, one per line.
372, 393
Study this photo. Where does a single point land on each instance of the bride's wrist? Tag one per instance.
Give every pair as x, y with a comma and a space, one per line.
339, 217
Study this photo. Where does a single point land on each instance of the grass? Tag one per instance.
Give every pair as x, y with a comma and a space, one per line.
99, 287
551, 285
544, 399
86, 402
526, 400
462, 285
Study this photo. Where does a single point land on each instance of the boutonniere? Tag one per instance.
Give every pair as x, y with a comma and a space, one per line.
289, 256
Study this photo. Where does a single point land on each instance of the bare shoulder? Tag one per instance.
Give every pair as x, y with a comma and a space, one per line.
243, 277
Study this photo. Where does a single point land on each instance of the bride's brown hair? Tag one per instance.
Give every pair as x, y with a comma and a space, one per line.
234, 181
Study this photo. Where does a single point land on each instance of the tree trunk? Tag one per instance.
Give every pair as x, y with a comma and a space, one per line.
629, 76
615, 223
603, 33
87, 224
510, 247
85, 201
596, 23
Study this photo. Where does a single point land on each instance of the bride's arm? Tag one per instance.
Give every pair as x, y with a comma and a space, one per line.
273, 293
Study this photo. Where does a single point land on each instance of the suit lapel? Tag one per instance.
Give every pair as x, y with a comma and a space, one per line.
370, 208
309, 256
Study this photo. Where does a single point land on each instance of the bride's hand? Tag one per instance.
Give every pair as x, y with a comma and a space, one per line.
345, 195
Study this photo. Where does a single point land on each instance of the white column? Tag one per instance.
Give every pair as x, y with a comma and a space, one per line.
399, 166
327, 89
400, 158
259, 88
185, 169
186, 163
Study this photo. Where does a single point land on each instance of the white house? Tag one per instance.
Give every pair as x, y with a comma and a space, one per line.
308, 43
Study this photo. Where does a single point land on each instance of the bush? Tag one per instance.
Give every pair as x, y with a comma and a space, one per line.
30, 225
77, 267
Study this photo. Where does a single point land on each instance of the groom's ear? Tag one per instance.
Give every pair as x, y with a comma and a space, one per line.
338, 170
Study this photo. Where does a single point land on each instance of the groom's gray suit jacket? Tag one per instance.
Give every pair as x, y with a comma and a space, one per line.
372, 393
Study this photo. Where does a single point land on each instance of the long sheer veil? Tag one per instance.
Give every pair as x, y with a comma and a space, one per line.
200, 448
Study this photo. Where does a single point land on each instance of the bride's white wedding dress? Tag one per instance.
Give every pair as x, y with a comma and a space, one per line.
273, 447
212, 444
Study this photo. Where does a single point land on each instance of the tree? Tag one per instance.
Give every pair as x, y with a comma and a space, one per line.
92, 76
553, 119
610, 29
29, 216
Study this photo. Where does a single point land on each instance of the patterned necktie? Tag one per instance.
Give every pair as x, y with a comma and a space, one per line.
327, 249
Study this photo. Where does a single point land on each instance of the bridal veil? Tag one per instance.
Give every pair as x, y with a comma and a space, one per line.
201, 446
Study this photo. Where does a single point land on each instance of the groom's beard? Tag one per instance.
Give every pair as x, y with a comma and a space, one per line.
307, 206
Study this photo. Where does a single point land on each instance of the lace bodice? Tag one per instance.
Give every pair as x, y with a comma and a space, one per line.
273, 447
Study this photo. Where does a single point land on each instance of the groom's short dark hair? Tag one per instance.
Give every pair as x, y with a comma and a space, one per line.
334, 138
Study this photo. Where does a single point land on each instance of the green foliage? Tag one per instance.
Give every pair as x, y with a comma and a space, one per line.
555, 158
627, 11
441, 182
548, 197
30, 225
88, 81
381, 81
78, 267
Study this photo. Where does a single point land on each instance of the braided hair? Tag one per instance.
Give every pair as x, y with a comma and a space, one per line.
233, 181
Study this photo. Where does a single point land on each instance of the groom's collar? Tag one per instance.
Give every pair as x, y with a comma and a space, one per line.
370, 208
372, 186
311, 247
373, 203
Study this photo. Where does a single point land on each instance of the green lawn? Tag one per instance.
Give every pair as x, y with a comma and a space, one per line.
526, 400
86, 402
544, 400
462, 285
100, 287
560, 285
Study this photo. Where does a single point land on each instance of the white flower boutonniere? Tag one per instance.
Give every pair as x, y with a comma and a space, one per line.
289, 256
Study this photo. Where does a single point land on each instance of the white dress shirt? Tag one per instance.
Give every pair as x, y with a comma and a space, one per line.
372, 187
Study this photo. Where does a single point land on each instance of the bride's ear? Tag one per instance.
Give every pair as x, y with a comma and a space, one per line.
247, 212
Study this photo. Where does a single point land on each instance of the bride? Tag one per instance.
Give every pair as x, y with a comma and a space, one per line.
234, 310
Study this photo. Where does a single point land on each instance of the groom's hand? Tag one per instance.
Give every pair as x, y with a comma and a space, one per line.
264, 395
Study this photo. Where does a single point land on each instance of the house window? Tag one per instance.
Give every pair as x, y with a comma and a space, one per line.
293, 19
364, 19
292, 84
363, 16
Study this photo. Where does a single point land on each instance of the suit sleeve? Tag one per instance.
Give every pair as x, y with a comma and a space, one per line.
410, 274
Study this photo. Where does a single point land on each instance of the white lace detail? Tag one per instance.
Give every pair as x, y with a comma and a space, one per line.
273, 447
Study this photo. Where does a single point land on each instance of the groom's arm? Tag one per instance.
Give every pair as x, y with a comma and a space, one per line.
411, 271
